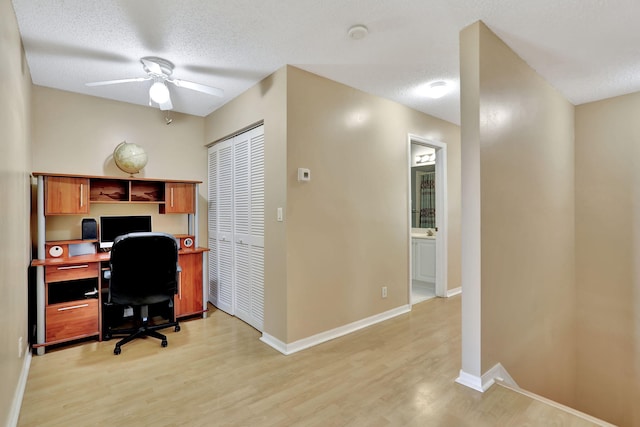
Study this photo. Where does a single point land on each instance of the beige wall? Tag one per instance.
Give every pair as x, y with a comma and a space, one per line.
265, 102
347, 230
526, 141
607, 258
77, 134
345, 233
15, 105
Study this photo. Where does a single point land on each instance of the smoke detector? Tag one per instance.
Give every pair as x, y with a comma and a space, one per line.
358, 32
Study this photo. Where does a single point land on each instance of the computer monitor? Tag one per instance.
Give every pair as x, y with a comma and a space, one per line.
114, 226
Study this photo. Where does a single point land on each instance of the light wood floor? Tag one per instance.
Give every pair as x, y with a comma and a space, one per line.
216, 372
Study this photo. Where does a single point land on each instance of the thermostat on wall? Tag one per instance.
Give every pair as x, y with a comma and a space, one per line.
304, 174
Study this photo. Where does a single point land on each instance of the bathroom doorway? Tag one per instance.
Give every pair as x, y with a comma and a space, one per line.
427, 219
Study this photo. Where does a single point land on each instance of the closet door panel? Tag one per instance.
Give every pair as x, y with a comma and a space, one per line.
212, 205
225, 227
241, 213
221, 226
257, 228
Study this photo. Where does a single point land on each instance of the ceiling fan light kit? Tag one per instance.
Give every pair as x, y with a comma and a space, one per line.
159, 92
160, 70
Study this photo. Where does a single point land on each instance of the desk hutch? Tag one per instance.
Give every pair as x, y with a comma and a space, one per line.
69, 284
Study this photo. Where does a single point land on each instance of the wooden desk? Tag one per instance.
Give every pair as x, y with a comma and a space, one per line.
73, 299
64, 312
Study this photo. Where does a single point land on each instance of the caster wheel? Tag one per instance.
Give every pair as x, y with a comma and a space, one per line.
177, 328
106, 337
164, 343
117, 351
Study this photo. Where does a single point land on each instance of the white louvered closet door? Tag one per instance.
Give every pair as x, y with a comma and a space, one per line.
236, 219
221, 226
212, 209
241, 211
256, 230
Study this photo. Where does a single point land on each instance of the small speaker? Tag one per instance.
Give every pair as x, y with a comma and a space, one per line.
89, 229
185, 241
56, 251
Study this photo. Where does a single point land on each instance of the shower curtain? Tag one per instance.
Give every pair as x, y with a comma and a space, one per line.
428, 200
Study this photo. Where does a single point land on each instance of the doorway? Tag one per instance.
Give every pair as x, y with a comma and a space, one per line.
427, 219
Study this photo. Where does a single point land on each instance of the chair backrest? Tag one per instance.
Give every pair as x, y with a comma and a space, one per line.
143, 268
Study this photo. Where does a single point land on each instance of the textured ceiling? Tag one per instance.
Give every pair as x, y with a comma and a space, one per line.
587, 49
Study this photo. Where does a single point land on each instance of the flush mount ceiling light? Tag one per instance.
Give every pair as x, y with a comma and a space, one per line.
437, 89
358, 32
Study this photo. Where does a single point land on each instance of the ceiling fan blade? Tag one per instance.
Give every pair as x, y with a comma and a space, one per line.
153, 67
113, 82
165, 106
198, 87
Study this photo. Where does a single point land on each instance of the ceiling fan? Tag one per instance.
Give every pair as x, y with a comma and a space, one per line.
159, 70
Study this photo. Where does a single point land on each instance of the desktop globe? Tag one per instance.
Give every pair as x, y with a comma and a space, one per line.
130, 158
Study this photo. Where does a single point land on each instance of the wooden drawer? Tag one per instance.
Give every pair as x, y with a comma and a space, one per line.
74, 319
60, 273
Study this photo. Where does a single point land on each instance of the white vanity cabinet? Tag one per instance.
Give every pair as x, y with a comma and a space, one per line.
423, 256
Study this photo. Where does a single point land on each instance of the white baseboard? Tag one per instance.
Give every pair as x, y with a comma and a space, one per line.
313, 340
555, 404
454, 291
482, 384
274, 342
499, 375
14, 413
471, 381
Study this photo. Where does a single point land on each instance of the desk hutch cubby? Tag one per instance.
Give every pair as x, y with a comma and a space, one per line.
69, 282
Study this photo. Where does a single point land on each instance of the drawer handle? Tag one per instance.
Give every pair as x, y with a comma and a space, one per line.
73, 267
73, 306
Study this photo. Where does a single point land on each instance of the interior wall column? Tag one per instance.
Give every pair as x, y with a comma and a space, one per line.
471, 369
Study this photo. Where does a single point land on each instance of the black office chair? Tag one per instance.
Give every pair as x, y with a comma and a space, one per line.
143, 272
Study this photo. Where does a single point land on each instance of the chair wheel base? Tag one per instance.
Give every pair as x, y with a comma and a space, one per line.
117, 351
164, 343
177, 328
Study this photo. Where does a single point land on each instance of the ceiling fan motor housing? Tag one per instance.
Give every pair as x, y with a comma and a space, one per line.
164, 68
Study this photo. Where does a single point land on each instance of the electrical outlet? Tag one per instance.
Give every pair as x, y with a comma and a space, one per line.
20, 347
384, 292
